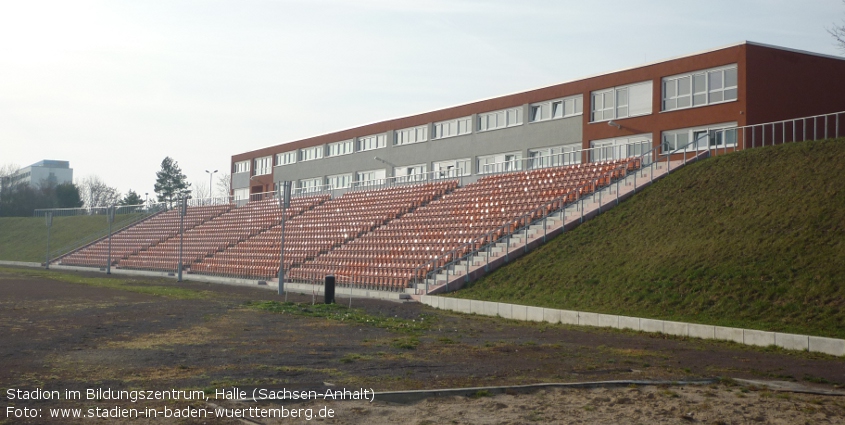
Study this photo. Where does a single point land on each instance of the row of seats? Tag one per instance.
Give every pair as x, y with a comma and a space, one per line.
142, 236
456, 224
219, 233
381, 238
323, 228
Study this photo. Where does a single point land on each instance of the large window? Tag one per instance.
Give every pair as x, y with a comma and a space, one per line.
560, 108
621, 102
369, 178
241, 194
310, 154
500, 163
618, 148
411, 135
700, 88
310, 185
699, 138
451, 128
451, 168
340, 148
263, 165
339, 181
375, 141
241, 167
500, 119
410, 173
554, 156
286, 158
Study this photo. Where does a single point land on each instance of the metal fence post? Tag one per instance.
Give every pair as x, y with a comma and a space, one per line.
49, 223
182, 211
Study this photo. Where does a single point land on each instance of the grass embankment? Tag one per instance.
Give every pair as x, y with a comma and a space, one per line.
162, 288
25, 238
754, 239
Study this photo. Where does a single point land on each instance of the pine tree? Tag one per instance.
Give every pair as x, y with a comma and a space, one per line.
131, 198
170, 181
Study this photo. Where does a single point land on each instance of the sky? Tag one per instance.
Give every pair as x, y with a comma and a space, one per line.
115, 86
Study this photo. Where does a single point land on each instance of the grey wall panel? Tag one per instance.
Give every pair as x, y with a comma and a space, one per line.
519, 138
240, 180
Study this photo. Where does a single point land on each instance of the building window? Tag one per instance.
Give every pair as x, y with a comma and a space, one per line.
554, 156
310, 154
699, 138
500, 163
451, 168
310, 185
241, 194
241, 167
410, 135
700, 88
410, 173
618, 148
500, 119
376, 141
621, 102
340, 148
456, 127
263, 165
286, 158
554, 109
339, 181
369, 178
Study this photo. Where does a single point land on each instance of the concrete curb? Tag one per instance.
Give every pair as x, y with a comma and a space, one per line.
815, 344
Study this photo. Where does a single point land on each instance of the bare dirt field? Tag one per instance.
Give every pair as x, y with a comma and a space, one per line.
82, 332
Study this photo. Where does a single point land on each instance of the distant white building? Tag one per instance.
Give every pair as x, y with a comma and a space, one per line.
46, 171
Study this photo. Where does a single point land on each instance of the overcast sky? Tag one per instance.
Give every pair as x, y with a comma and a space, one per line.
115, 86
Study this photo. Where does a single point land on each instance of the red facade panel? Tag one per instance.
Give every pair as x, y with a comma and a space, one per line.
784, 84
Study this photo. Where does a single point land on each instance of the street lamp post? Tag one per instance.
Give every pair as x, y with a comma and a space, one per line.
210, 174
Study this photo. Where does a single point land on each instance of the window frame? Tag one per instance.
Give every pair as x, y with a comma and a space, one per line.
610, 102
380, 141
707, 92
286, 158
505, 118
690, 133
266, 167
462, 126
244, 169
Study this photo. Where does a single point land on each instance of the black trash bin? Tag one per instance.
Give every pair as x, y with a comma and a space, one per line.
329, 289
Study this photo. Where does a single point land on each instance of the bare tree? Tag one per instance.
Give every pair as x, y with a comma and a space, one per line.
8, 169
200, 190
96, 193
222, 185
838, 33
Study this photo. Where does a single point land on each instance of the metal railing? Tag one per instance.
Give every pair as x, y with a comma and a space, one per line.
448, 261
580, 156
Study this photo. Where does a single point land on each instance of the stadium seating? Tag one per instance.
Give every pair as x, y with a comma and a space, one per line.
219, 233
379, 238
320, 230
390, 256
141, 236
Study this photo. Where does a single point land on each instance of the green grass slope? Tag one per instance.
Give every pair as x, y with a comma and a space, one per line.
753, 239
25, 238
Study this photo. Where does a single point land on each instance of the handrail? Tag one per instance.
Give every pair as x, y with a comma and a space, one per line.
431, 268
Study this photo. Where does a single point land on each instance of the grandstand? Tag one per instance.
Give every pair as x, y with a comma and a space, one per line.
405, 236
470, 187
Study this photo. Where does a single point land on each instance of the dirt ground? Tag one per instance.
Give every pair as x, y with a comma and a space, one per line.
56, 335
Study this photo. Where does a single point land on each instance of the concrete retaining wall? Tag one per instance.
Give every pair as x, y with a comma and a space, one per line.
832, 346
